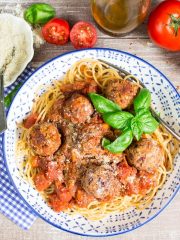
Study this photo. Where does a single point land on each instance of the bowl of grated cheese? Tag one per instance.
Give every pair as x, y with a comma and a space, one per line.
16, 46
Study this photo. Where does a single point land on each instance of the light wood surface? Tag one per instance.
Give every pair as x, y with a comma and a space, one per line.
164, 227
167, 224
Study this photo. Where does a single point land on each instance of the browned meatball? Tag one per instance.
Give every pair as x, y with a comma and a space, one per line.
100, 182
90, 136
55, 112
145, 154
77, 109
89, 144
45, 139
121, 92
85, 87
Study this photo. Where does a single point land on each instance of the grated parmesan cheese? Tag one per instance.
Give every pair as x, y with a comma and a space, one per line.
16, 46
11, 54
16, 39
18, 11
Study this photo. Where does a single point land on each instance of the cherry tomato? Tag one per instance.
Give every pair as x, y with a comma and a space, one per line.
164, 25
83, 35
56, 31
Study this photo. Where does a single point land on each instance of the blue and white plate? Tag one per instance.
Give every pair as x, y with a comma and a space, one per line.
165, 100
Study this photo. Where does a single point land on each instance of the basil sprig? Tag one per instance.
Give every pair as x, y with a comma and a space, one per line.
146, 121
121, 143
102, 104
131, 125
118, 120
105, 142
136, 128
39, 13
143, 100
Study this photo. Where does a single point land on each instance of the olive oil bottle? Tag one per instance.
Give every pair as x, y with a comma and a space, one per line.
119, 16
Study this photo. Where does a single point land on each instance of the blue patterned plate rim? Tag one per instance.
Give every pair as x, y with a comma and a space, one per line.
19, 194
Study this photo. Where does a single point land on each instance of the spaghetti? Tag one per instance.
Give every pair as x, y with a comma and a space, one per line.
101, 74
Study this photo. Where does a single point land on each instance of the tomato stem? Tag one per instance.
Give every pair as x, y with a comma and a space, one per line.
175, 24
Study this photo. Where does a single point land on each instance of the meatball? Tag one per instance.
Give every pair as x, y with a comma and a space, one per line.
55, 112
100, 182
45, 139
89, 144
77, 109
90, 136
85, 87
145, 154
121, 92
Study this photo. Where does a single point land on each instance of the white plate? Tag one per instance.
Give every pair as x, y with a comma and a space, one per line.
165, 100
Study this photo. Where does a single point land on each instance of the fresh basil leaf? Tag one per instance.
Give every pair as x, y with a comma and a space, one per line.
143, 100
8, 99
121, 143
148, 125
136, 129
146, 121
118, 120
39, 13
144, 113
102, 104
105, 142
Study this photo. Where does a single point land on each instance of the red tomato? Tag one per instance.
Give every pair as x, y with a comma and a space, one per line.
83, 199
125, 172
132, 188
41, 182
52, 171
63, 193
35, 162
83, 35
56, 204
164, 25
146, 181
30, 120
56, 31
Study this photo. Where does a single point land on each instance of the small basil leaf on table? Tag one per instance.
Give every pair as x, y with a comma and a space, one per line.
118, 120
146, 121
39, 13
105, 142
121, 143
8, 99
142, 100
136, 128
102, 104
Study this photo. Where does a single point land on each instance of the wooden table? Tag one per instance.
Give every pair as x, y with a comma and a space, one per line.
165, 226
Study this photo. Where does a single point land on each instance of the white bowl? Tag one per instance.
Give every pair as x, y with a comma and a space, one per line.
19, 28
165, 100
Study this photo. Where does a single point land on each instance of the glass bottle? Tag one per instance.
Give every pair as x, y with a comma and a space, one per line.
119, 16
